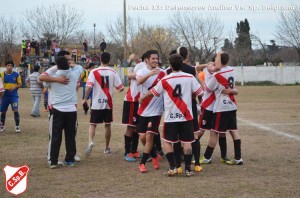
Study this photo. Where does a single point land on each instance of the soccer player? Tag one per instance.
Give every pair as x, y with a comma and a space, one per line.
64, 109
183, 52
11, 82
84, 76
224, 111
102, 79
130, 108
150, 110
206, 116
177, 89
1, 94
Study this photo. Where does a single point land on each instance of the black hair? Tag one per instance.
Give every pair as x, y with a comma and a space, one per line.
36, 68
9, 62
173, 52
105, 57
52, 63
224, 58
63, 53
90, 65
182, 51
143, 57
62, 63
149, 52
176, 62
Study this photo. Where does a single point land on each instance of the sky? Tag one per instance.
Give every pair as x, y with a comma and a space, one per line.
261, 14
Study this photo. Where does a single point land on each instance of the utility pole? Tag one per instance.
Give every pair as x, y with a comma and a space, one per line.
124, 30
94, 36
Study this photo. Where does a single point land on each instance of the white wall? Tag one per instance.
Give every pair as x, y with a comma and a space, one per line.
284, 75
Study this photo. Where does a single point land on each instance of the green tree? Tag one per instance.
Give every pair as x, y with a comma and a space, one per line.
243, 45
228, 46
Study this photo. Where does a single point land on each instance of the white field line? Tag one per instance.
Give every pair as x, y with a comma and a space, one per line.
268, 129
246, 123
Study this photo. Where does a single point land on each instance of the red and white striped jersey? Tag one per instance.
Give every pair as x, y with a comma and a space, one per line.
152, 106
133, 92
208, 99
222, 79
103, 80
177, 89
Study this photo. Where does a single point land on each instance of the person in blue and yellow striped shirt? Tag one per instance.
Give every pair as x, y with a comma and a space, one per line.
11, 82
84, 76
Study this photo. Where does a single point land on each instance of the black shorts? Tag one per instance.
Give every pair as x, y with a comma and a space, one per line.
195, 116
101, 116
130, 116
223, 121
205, 119
148, 124
178, 131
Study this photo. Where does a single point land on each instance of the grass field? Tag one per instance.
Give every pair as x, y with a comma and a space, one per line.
268, 121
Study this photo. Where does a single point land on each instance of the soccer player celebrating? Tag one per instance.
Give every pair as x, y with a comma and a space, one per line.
102, 80
206, 117
150, 110
177, 89
130, 108
224, 111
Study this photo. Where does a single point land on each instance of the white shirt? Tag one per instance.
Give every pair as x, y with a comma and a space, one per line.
177, 90
222, 79
133, 92
103, 80
152, 106
208, 99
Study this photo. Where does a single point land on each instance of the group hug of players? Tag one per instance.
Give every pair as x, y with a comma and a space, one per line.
154, 91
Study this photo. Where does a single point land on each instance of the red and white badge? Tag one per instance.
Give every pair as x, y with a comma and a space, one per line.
16, 179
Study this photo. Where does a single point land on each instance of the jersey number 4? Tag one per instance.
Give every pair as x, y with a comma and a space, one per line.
177, 91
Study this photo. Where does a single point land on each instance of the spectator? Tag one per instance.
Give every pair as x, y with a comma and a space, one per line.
35, 90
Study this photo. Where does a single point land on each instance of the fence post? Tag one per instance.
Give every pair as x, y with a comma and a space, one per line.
242, 74
281, 74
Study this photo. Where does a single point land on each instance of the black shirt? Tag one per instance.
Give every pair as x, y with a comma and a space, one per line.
186, 69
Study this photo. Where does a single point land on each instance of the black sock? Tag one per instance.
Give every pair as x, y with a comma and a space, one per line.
145, 158
237, 149
127, 140
187, 161
171, 160
223, 146
17, 118
157, 142
134, 142
153, 152
196, 151
3, 116
177, 153
208, 152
